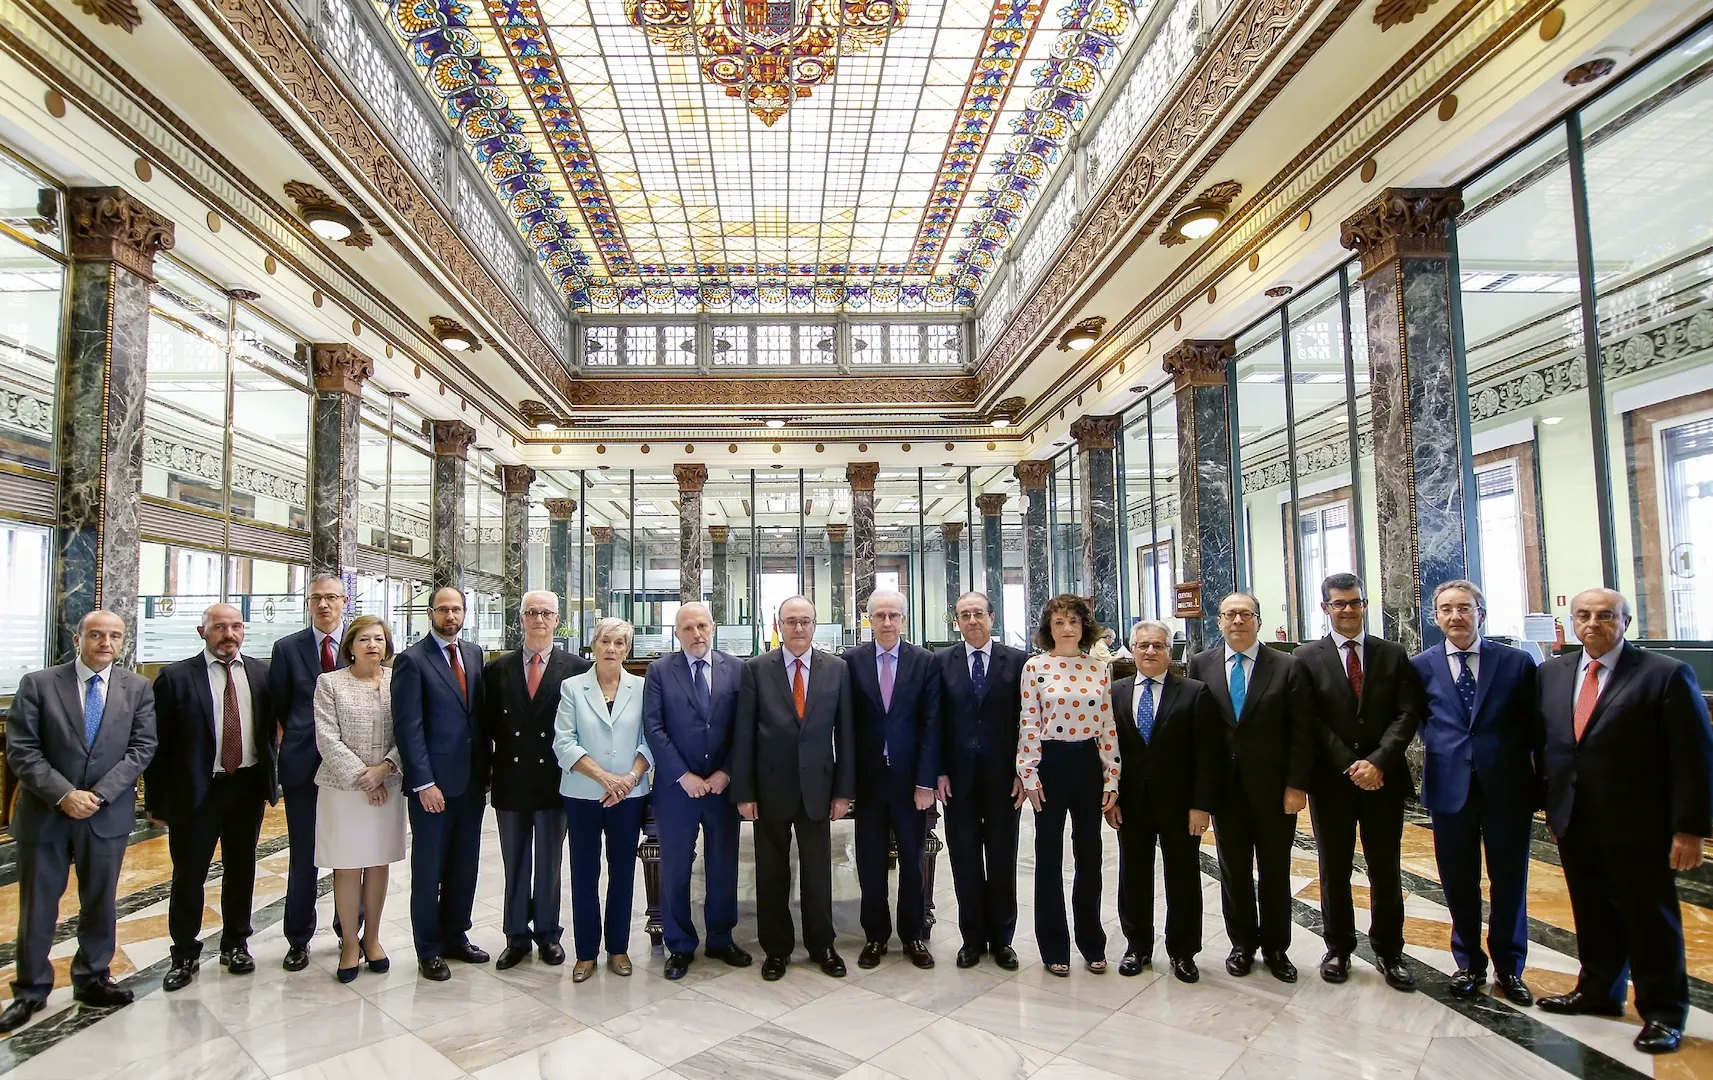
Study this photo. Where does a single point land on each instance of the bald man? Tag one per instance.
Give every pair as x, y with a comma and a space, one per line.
207, 785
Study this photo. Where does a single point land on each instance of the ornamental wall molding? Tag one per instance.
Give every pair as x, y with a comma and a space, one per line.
927, 391
404, 523
23, 411
205, 462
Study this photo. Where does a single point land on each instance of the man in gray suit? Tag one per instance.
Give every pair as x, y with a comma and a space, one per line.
78, 737
793, 767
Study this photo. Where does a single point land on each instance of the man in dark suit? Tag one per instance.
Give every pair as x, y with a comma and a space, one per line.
794, 771
1481, 782
980, 703
1173, 752
78, 736
1269, 743
520, 698
212, 773
1369, 700
298, 660
1629, 768
688, 701
896, 702
437, 686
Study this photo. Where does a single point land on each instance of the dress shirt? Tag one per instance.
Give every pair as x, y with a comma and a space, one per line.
1250, 654
1066, 699
1607, 663
1474, 652
85, 673
217, 676
986, 652
707, 658
319, 638
1142, 684
445, 643
892, 652
528, 653
1339, 639
791, 672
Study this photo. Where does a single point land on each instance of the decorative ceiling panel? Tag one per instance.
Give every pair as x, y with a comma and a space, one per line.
765, 155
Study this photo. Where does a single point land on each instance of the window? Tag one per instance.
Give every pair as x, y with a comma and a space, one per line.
601, 346
773, 344
731, 345
679, 345
270, 427
1687, 453
1504, 571
185, 404
31, 285
1326, 548
1154, 567
24, 617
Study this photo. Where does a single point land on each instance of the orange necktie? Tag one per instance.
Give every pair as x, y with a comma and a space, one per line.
799, 693
534, 679
1585, 700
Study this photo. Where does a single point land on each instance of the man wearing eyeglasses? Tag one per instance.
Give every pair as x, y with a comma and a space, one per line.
520, 699
1269, 739
1369, 701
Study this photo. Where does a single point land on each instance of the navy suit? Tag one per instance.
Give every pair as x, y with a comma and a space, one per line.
441, 743
897, 751
292, 673
1481, 782
686, 737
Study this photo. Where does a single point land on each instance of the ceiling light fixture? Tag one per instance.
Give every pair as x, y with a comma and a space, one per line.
453, 335
326, 218
1082, 336
1197, 219
1551, 420
1007, 411
775, 422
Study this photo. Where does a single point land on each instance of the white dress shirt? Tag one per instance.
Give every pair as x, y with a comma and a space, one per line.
319, 638
217, 676
986, 652
1456, 664
791, 671
1250, 654
85, 673
1142, 684
1607, 662
1339, 640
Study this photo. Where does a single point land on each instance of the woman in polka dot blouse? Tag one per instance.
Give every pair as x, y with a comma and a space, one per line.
1067, 760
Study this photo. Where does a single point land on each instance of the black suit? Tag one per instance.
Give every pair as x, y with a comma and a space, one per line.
793, 769
897, 751
1642, 771
292, 673
978, 756
1269, 748
1175, 771
1375, 729
518, 730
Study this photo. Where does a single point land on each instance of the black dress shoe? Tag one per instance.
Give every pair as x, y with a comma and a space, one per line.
296, 959
1133, 963
918, 953
733, 955
1186, 971
1577, 1003
1515, 990
102, 994
180, 974
466, 952
1240, 963
871, 954
832, 964
677, 964
1397, 974
968, 956
511, 956
434, 968
1465, 984
773, 968
1281, 967
19, 1012
1335, 967
1005, 956
1658, 1038
552, 953
238, 960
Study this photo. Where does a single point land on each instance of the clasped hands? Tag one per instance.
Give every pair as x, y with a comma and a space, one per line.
1366, 775
80, 804
618, 786
696, 787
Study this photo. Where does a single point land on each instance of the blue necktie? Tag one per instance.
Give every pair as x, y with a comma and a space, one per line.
1466, 685
701, 685
1145, 714
978, 673
1239, 687
93, 706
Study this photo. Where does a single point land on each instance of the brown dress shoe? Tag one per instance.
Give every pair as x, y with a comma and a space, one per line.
918, 953
871, 954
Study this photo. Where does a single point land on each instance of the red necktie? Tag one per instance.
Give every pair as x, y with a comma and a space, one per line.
1586, 699
799, 692
1353, 668
534, 676
457, 662
328, 663
231, 732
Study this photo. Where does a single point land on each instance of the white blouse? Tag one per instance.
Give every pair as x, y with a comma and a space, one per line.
1069, 699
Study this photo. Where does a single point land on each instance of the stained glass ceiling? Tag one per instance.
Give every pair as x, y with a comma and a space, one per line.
766, 155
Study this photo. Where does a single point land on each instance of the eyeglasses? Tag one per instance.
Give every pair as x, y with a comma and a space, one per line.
1239, 615
540, 613
1150, 646
797, 624
1464, 610
1346, 605
444, 610
1604, 617
885, 616
326, 597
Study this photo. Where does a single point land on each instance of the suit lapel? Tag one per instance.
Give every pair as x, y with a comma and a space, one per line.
204, 699
679, 664
598, 704
1486, 674
1258, 681
1439, 673
1221, 687
435, 655
1628, 661
1333, 664
1169, 694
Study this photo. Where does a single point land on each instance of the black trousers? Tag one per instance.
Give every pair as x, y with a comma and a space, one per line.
880, 815
1181, 855
1339, 810
43, 869
532, 848
774, 928
444, 851
1253, 840
1629, 925
1072, 784
230, 816
301, 873
981, 840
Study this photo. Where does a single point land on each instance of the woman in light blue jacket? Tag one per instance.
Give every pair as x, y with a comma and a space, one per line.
598, 739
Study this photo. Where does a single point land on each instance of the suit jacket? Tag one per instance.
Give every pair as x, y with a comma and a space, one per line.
1375, 729
291, 687
1643, 769
518, 729
437, 729
684, 737
46, 749
613, 737
1179, 769
1271, 746
186, 718
783, 764
1503, 743
908, 734
978, 734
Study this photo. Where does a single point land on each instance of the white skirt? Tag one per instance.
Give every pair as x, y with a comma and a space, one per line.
350, 834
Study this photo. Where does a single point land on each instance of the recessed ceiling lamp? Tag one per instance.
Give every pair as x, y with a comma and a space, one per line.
1082, 336
453, 335
1198, 218
325, 217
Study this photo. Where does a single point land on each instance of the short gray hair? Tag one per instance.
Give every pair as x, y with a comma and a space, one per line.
885, 594
548, 593
694, 605
611, 626
1460, 583
1150, 624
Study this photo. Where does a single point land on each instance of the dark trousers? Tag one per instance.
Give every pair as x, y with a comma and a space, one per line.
43, 869
773, 884
444, 851
1253, 840
532, 847
677, 819
1071, 783
231, 815
1623, 896
981, 839
883, 813
587, 821
1181, 855
1339, 810
1458, 839
301, 875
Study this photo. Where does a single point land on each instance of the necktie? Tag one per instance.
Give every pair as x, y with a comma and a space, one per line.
231, 733
1353, 668
1145, 712
457, 663
1239, 686
978, 672
886, 681
94, 704
534, 676
700, 679
1586, 698
328, 662
799, 691
1466, 684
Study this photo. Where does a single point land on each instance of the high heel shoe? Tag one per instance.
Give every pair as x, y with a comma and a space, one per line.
349, 974
379, 967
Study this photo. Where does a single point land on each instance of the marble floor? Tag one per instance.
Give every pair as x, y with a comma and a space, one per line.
533, 1023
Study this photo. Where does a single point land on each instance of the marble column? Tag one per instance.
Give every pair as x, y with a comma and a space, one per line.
690, 481
602, 535
1032, 476
721, 536
514, 537
861, 476
1207, 541
452, 442
836, 549
1096, 464
114, 241
561, 513
1418, 470
952, 533
338, 372
992, 507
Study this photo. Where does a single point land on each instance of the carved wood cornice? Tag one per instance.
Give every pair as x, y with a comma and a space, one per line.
691, 477
108, 224
1402, 223
515, 479
1198, 363
861, 475
120, 13
1033, 475
452, 438
337, 368
1390, 13
560, 509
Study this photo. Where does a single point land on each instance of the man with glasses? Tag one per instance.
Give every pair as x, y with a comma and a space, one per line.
298, 660
1481, 782
520, 698
1629, 768
1369, 700
1269, 742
